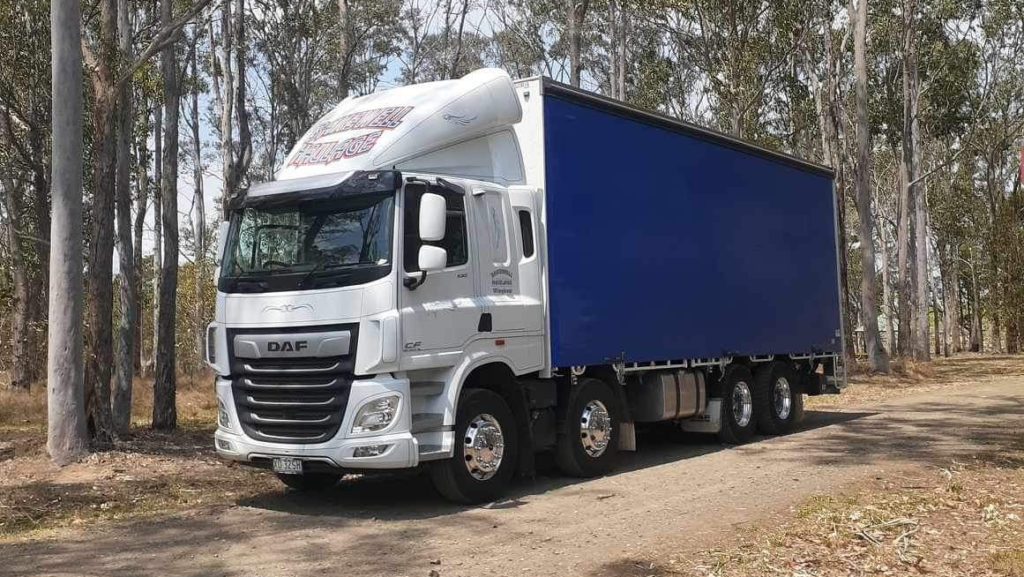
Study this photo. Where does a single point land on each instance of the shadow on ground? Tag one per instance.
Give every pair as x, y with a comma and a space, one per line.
410, 495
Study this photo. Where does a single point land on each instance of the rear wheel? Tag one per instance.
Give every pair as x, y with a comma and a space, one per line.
588, 430
486, 450
310, 482
781, 406
738, 393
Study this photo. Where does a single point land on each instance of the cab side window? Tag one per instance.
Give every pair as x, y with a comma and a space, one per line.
455, 241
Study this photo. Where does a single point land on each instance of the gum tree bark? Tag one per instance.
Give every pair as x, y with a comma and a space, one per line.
67, 436
141, 204
165, 387
576, 17
199, 223
877, 358
125, 365
344, 41
158, 223
100, 359
21, 314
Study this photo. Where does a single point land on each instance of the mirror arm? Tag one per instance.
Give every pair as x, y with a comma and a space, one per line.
412, 283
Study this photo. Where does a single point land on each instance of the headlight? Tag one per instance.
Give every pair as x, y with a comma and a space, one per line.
376, 414
223, 418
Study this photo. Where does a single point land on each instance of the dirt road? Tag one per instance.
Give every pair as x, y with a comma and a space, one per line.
671, 497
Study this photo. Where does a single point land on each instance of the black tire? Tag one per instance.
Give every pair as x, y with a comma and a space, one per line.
738, 427
573, 457
452, 477
781, 405
310, 482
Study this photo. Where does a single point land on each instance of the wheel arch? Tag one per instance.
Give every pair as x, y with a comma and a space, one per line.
496, 374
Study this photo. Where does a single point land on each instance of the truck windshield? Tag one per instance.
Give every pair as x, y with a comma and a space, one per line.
309, 245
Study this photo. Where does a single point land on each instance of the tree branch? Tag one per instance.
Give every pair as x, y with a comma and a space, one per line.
164, 38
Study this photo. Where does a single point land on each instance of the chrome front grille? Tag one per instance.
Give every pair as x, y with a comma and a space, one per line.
291, 409
291, 384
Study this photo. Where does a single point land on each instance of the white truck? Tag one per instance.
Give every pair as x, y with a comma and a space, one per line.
462, 274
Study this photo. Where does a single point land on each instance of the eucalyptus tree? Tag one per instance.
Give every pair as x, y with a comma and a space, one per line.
24, 123
877, 358
67, 437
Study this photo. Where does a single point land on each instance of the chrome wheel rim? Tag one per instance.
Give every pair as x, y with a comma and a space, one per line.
783, 398
742, 404
483, 447
595, 428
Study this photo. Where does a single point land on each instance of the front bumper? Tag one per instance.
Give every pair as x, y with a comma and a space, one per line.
401, 452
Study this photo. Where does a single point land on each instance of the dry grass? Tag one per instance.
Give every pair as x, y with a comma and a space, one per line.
144, 474
959, 521
908, 377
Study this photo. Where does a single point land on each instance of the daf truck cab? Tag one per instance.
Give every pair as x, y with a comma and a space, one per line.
388, 302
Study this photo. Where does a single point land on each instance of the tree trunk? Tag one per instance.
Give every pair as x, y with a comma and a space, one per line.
977, 337
199, 223
951, 286
922, 346
21, 358
458, 40
67, 436
100, 284
613, 49
141, 204
344, 42
165, 386
158, 223
122, 407
40, 249
224, 93
938, 321
906, 239
890, 321
577, 16
623, 46
244, 157
877, 358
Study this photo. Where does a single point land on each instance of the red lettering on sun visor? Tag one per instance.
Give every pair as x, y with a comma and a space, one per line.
328, 152
382, 118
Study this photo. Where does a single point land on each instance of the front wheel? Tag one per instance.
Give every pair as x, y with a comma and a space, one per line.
588, 431
486, 450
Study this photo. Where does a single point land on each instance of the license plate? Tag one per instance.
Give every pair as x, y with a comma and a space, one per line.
288, 466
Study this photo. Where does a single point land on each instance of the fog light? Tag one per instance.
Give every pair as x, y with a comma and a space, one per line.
376, 414
225, 445
370, 451
223, 418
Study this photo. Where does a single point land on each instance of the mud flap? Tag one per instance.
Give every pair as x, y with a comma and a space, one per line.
627, 436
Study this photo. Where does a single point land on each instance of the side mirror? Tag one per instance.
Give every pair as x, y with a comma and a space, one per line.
222, 239
433, 209
432, 258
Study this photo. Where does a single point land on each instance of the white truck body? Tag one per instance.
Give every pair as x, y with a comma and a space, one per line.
321, 372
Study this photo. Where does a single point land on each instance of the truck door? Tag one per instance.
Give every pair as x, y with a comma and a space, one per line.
442, 315
503, 268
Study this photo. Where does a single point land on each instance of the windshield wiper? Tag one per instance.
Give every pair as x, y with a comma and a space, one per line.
309, 275
322, 266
